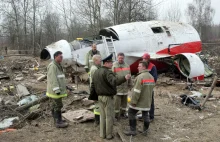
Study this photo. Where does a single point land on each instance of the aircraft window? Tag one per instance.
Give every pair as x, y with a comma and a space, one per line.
157, 30
168, 33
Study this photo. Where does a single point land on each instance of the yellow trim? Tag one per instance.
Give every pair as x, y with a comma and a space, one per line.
56, 96
79, 38
96, 112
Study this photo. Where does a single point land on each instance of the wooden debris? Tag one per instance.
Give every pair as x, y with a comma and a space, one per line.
210, 92
121, 135
41, 78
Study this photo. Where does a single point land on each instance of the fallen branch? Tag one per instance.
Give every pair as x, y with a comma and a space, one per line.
121, 135
210, 92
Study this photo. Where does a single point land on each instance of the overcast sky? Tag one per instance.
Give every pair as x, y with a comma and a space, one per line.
183, 5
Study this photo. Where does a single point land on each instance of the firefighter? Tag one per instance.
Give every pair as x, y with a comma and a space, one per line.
104, 84
141, 98
153, 71
56, 88
89, 56
120, 99
97, 64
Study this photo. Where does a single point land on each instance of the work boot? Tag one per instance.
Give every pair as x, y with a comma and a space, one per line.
146, 127
97, 120
124, 116
132, 130
59, 122
117, 116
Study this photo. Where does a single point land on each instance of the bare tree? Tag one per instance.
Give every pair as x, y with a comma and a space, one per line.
174, 12
90, 12
200, 15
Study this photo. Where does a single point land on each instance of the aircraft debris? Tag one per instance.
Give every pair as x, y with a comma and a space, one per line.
6, 123
27, 100
79, 115
22, 90
87, 102
19, 78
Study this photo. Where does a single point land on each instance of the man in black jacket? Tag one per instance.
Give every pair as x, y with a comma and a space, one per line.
104, 85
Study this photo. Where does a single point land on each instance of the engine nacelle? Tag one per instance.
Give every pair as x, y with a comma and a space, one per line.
190, 65
61, 45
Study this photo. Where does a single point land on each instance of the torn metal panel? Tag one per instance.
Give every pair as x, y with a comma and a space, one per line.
22, 90
79, 115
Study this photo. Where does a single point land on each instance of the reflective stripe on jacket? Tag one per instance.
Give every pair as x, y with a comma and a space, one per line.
56, 83
142, 91
121, 70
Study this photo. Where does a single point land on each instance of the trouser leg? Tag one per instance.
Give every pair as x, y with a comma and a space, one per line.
151, 112
102, 117
132, 122
56, 105
117, 104
109, 116
123, 105
146, 119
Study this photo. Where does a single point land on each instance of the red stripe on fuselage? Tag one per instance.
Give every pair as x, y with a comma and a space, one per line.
191, 47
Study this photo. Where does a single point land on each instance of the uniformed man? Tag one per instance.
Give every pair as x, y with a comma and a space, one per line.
141, 98
97, 64
153, 71
89, 56
120, 99
104, 83
56, 88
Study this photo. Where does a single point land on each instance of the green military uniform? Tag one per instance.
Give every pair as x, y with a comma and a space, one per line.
56, 86
92, 71
141, 101
89, 61
104, 83
120, 99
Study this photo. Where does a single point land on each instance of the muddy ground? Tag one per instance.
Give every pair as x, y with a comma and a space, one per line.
173, 122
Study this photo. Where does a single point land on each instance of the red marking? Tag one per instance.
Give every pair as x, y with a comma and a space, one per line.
147, 81
201, 77
150, 66
191, 47
121, 69
159, 65
134, 66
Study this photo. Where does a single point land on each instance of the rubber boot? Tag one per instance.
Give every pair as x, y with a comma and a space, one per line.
97, 120
132, 130
117, 116
123, 114
59, 122
146, 127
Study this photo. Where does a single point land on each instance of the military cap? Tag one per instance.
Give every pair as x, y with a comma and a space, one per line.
108, 58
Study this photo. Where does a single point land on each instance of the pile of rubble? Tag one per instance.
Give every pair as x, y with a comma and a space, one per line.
18, 101
23, 89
